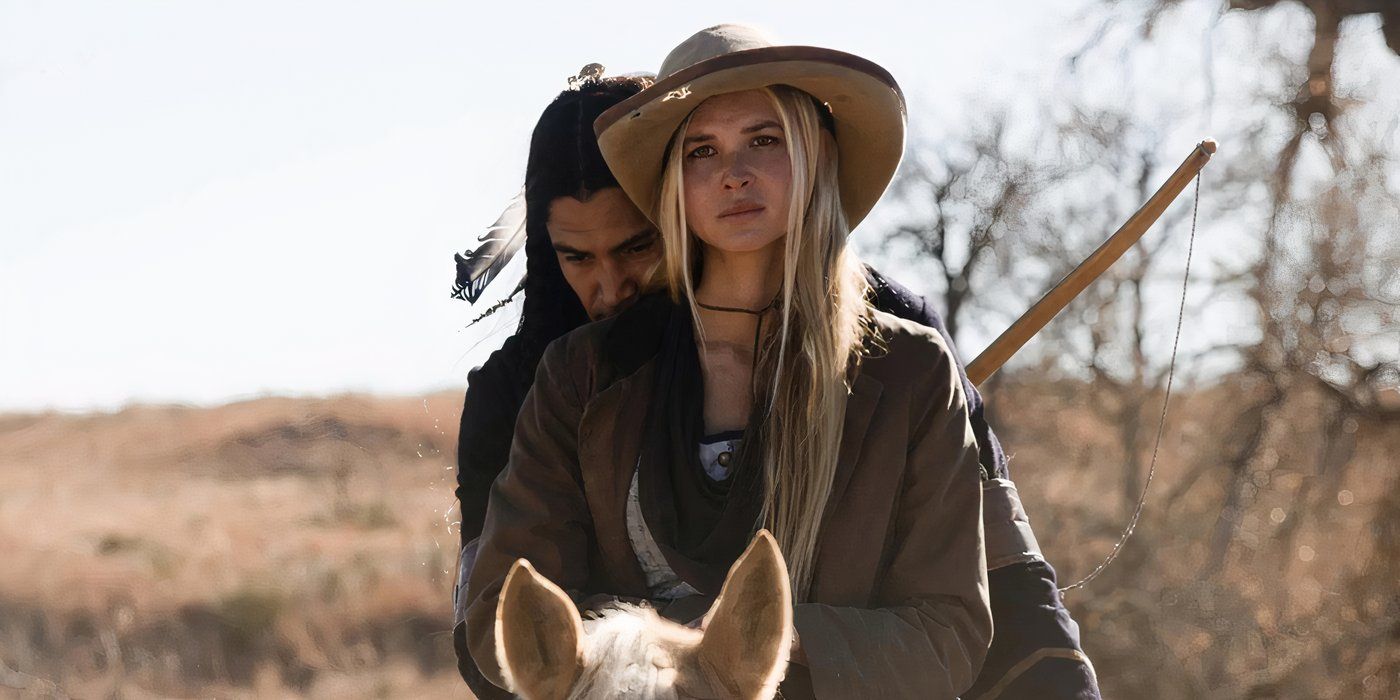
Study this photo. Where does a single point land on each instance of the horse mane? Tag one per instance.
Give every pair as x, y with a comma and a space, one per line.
546, 649
633, 652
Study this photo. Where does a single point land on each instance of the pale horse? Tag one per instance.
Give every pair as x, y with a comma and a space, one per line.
548, 652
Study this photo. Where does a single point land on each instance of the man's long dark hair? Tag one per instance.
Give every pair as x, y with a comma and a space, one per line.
564, 162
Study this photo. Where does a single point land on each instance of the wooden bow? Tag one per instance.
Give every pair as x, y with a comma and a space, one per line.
1058, 298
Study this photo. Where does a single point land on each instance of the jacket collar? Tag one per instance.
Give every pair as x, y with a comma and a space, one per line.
609, 446
634, 336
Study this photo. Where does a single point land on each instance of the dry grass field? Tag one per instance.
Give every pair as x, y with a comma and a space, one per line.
265, 548
305, 548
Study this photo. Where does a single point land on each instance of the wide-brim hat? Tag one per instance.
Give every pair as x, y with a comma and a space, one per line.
866, 105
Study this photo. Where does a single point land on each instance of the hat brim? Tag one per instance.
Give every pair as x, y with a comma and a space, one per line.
866, 104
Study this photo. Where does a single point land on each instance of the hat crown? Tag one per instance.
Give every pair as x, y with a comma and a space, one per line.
711, 42
867, 109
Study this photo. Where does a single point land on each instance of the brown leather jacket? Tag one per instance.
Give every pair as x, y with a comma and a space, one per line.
898, 606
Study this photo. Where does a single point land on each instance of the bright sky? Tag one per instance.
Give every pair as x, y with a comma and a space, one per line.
203, 200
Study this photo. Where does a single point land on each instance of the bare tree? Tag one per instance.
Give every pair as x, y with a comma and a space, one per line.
961, 199
1221, 594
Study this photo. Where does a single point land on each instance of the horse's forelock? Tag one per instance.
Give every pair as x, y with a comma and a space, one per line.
631, 652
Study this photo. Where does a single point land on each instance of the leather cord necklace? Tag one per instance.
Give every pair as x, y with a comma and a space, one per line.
757, 332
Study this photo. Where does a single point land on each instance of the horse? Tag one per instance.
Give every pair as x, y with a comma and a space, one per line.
548, 652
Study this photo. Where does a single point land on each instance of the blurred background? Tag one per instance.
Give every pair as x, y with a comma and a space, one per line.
231, 373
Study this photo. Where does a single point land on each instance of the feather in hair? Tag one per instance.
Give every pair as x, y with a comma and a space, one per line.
502, 240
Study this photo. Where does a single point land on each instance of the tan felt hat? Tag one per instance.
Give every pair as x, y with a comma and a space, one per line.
865, 101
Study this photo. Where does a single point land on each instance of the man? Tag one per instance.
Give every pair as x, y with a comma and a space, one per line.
589, 254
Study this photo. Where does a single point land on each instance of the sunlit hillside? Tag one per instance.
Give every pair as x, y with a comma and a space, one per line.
298, 547
276, 546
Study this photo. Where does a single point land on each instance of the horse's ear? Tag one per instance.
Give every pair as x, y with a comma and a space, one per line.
749, 628
539, 636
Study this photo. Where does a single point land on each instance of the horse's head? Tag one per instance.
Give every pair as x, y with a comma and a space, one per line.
548, 653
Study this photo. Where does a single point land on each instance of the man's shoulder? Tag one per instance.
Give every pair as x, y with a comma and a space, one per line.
502, 368
898, 300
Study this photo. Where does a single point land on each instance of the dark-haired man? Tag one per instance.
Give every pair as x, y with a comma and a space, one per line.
590, 254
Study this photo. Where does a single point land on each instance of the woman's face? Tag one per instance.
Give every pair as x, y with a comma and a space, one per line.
736, 171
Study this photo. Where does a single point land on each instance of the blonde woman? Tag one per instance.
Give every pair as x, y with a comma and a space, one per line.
762, 391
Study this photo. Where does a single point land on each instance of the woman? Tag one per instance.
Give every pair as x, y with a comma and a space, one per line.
855, 447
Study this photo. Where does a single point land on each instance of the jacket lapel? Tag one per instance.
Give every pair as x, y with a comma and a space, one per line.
609, 444
860, 408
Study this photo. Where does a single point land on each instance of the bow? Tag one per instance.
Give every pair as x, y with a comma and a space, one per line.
1076, 281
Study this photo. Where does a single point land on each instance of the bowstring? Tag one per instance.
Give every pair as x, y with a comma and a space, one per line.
1162, 421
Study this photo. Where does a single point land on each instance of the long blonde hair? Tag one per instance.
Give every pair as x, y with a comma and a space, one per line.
824, 321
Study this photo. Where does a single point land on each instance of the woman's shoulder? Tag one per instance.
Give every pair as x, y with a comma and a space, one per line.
613, 347
908, 341
579, 344
903, 352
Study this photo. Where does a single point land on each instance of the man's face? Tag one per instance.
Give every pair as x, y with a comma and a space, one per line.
606, 249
